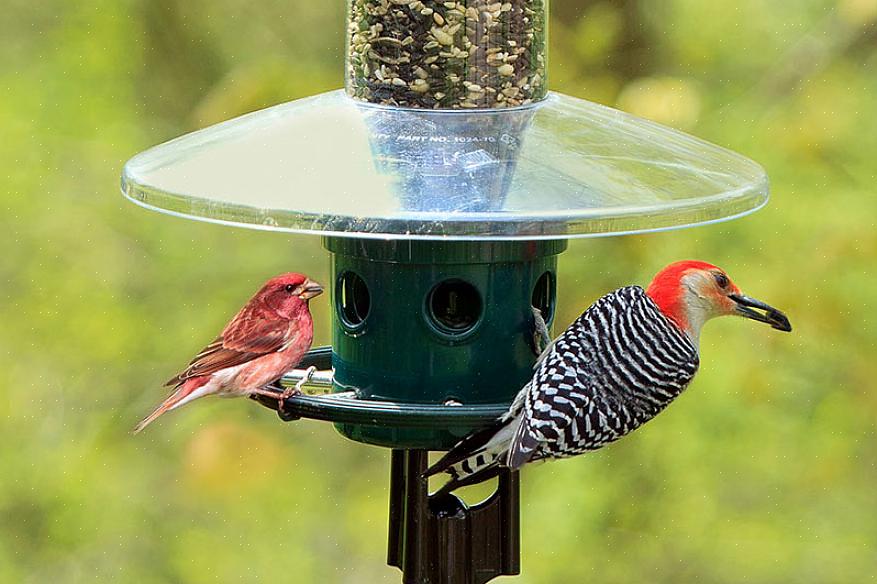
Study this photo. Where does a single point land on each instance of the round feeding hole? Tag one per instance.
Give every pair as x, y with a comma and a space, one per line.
454, 307
544, 294
353, 300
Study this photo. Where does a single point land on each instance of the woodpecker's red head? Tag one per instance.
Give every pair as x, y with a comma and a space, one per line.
691, 292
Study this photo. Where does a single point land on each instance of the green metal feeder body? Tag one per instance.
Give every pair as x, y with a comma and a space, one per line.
445, 181
436, 323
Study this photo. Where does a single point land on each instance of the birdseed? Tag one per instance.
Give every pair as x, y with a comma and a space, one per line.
446, 55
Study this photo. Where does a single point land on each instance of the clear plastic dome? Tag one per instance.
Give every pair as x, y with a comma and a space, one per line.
559, 168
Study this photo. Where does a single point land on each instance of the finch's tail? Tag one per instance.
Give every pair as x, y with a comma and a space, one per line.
183, 394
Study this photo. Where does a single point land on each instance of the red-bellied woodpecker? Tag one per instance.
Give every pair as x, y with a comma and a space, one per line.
615, 368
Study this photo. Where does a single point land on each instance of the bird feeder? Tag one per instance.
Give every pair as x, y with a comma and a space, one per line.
444, 181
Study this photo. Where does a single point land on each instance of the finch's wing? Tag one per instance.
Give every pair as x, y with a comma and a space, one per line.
246, 337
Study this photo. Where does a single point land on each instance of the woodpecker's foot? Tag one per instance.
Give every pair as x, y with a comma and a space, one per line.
541, 335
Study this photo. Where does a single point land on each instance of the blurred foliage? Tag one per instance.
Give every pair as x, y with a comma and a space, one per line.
763, 472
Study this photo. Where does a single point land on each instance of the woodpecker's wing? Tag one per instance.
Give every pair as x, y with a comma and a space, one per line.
247, 337
619, 364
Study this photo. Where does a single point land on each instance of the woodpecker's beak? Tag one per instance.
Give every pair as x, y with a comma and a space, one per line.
310, 289
771, 315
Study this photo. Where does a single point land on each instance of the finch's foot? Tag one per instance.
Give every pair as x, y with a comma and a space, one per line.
267, 391
285, 415
291, 391
267, 395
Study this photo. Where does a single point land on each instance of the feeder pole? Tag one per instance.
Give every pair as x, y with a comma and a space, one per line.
442, 540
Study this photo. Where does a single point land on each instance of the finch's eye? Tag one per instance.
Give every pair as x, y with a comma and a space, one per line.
289, 288
722, 280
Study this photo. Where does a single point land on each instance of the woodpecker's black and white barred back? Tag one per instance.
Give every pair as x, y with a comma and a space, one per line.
616, 367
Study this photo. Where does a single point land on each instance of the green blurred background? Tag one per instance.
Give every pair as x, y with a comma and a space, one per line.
764, 471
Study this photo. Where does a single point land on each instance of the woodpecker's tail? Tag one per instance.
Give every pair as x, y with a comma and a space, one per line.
482, 454
477, 457
183, 394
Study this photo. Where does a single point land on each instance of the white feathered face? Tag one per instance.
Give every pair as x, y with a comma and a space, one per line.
705, 295
710, 293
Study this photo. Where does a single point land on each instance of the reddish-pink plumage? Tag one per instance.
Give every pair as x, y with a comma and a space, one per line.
266, 338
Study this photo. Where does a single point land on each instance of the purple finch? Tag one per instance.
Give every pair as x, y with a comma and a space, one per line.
267, 338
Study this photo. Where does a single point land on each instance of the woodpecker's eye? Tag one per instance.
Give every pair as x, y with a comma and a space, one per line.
289, 288
722, 280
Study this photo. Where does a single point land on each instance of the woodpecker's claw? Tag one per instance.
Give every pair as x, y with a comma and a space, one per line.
541, 336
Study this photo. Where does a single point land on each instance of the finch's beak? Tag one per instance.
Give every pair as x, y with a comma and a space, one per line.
310, 289
770, 315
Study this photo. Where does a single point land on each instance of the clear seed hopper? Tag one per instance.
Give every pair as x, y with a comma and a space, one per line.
445, 180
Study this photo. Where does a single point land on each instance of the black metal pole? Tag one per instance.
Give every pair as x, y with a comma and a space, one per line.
442, 540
